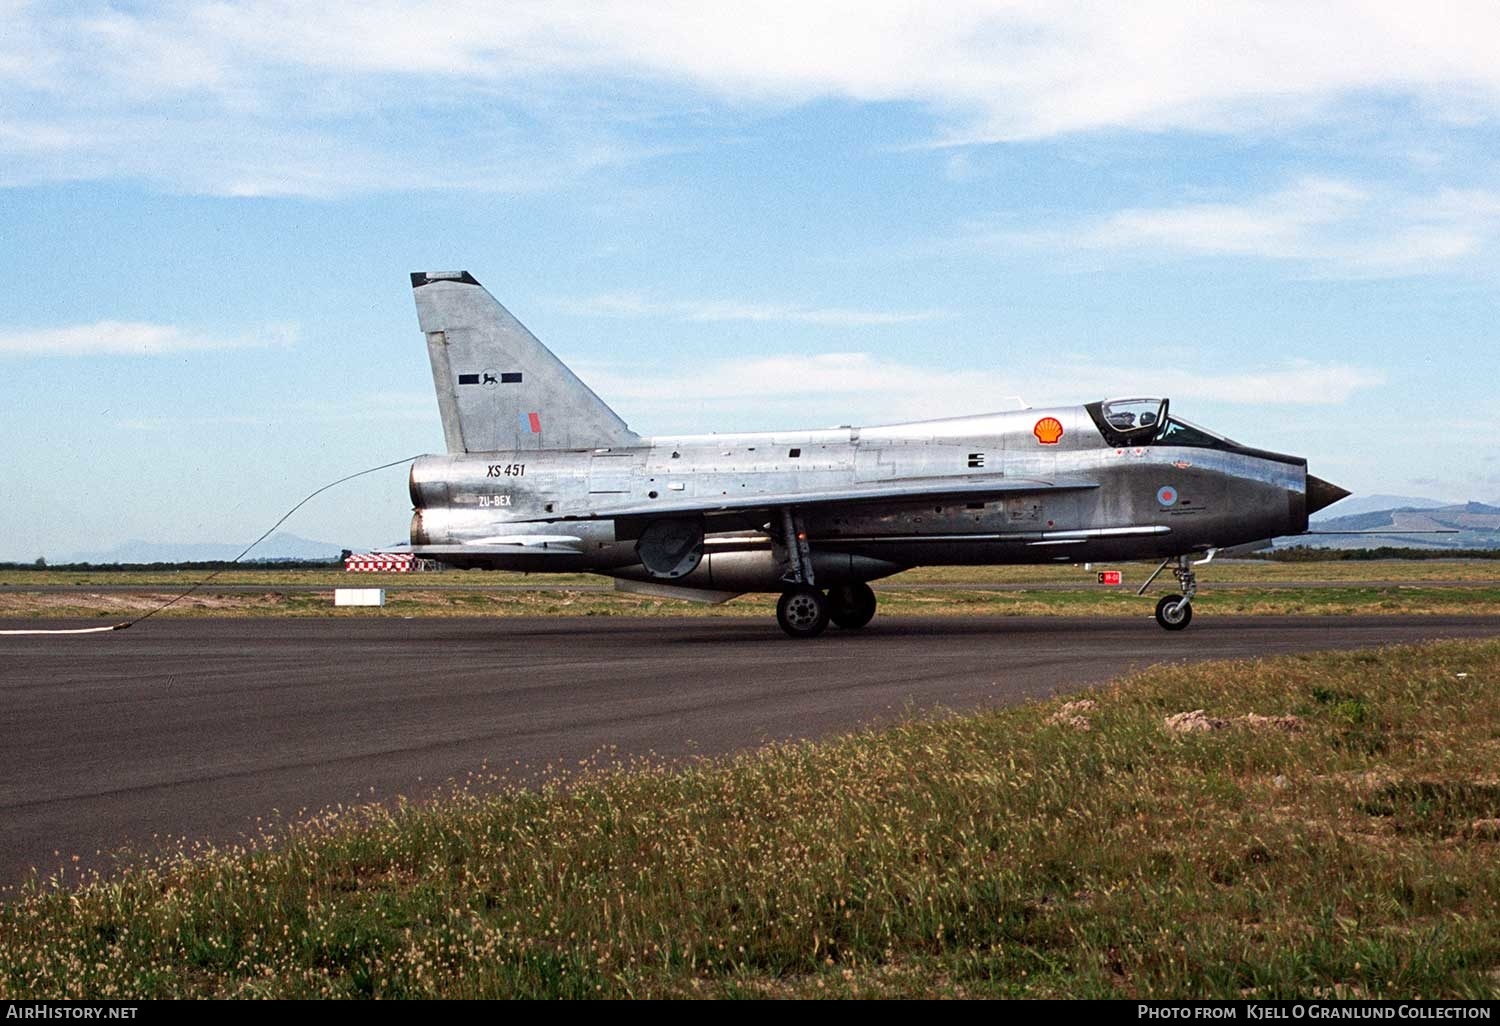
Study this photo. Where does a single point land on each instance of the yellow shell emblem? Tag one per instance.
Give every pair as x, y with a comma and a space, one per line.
1048, 430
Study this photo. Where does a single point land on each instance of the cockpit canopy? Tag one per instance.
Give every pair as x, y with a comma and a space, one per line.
1140, 422
1139, 418
1137, 422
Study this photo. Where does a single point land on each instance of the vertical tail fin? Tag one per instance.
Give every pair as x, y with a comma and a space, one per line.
498, 387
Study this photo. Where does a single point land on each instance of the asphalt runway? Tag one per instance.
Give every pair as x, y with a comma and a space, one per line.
196, 727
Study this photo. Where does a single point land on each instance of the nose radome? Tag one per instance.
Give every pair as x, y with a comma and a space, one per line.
1321, 494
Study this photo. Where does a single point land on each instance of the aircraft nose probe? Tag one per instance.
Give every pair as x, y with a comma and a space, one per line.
1321, 494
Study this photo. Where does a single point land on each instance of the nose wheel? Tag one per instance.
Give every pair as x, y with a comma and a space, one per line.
803, 612
1174, 612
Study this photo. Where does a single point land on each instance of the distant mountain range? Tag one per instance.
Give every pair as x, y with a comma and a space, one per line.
1375, 503
1477, 525
279, 546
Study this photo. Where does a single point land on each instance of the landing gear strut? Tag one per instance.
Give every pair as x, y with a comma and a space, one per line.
803, 610
1174, 612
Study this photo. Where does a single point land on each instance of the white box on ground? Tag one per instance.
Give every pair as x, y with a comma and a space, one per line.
359, 596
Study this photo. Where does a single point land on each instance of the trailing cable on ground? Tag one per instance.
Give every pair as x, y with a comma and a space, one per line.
246, 551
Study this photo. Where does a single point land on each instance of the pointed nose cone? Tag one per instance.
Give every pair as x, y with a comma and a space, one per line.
1321, 494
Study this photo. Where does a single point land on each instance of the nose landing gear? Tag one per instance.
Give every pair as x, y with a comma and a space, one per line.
1175, 612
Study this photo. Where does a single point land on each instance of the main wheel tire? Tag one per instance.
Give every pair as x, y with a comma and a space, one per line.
803, 612
1173, 613
851, 606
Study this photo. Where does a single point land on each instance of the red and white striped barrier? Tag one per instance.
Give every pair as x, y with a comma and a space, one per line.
380, 563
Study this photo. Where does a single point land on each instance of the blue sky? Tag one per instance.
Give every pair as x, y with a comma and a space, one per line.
1285, 218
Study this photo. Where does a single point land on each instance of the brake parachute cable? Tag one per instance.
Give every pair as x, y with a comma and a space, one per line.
243, 553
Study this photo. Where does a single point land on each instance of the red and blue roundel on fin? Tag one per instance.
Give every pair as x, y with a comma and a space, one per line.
1166, 495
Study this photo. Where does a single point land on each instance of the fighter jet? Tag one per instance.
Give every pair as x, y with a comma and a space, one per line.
541, 476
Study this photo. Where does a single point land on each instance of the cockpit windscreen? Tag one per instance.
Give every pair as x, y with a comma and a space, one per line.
1141, 422
1134, 417
1180, 432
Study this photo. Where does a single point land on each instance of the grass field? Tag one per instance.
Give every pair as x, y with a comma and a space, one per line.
1446, 587
1327, 826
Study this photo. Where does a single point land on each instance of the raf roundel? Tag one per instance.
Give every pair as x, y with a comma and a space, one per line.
1048, 430
1166, 495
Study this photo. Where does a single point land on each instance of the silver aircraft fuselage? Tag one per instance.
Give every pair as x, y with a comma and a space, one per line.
1149, 500
541, 475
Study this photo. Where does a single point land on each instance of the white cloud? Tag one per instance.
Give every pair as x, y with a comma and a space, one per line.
862, 388
1278, 225
1299, 383
529, 90
132, 338
633, 304
1332, 226
1030, 68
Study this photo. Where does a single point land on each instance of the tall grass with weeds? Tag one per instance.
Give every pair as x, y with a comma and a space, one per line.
1328, 825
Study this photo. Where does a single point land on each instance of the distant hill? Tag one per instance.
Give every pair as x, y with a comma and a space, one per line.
1477, 525
279, 546
1376, 503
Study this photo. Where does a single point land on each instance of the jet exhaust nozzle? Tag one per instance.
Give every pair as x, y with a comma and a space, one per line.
1321, 494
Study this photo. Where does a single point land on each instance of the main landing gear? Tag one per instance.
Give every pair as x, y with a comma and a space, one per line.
851, 606
1175, 612
804, 611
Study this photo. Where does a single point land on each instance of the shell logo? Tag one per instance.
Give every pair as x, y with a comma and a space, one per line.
1048, 430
